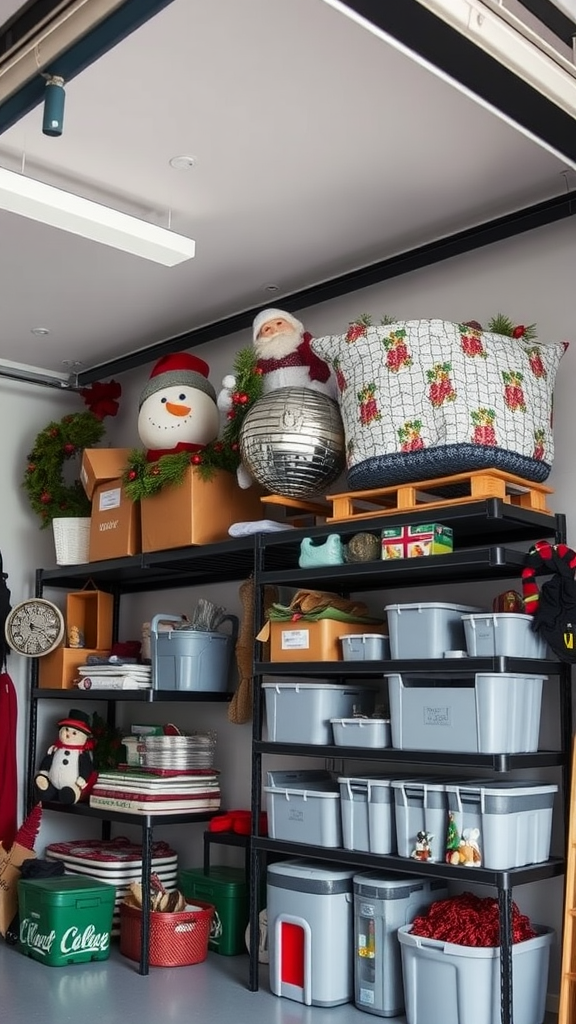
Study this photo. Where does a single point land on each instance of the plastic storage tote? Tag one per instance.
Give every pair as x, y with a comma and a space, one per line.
370, 733
226, 889
505, 634
509, 823
310, 930
65, 920
301, 712
421, 818
304, 807
191, 659
489, 713
365, 647
449, 984
427, 629
381, 906
366, 806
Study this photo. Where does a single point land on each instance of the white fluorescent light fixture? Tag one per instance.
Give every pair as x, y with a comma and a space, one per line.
57, 208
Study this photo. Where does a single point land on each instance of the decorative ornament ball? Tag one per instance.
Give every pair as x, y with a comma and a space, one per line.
228, 381
292, 442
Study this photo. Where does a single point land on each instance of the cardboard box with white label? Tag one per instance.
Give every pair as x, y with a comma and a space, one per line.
115, 523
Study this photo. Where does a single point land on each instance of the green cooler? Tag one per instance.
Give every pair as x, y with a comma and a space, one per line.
65, 920
227, 890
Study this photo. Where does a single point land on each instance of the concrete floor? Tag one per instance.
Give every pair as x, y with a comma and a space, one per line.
111, 991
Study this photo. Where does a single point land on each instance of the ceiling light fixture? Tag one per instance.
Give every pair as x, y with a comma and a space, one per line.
57, 208
40, 331
182, 163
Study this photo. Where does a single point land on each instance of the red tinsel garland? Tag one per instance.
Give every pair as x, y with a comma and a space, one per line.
470, 920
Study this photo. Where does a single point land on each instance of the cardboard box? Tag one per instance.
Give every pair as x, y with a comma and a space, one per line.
100, 465
91, 612
57, 670
416, 541
197, 511
115, 523
314, 641
10, 863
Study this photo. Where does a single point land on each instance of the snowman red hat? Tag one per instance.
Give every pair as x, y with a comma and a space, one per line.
178, 368
78, 720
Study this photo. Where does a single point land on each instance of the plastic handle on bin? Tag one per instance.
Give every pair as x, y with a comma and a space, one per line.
157, 619
235, 624
87, 904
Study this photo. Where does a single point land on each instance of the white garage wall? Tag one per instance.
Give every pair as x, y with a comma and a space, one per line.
530, 278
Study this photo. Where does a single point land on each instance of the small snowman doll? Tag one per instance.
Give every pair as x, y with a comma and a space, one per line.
66, 772
178, 410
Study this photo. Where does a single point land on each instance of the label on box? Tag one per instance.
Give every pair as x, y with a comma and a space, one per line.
110, 499
295, 639
83, 475
438, 716
416, 541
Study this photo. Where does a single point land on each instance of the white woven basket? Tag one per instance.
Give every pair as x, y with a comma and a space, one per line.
71, 540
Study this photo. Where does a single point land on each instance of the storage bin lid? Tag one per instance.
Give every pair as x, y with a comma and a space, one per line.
227, 881
360, 721
363, 636
502, 797
382, 886
64, 890
494, 616
425, 605
308, 876
314, 686
365, 780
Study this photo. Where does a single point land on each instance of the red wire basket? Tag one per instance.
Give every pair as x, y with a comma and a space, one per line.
176, 940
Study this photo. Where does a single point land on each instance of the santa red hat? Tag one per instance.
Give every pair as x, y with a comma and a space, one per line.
274, 314
179, 368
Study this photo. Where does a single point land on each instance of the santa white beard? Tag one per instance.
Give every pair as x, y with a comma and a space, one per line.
279, 345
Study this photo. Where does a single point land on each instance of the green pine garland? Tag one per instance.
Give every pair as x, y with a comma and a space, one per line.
501, 324
142, 479
47, 493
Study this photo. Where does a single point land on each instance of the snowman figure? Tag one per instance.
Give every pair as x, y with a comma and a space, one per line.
178, 410
66, 772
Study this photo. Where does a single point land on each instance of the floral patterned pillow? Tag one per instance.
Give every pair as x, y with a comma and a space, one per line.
427, 398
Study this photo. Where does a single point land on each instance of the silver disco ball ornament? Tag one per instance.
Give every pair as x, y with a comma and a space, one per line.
292, 442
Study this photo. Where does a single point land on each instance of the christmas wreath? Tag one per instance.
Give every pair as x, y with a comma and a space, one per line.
49, 496
142, 479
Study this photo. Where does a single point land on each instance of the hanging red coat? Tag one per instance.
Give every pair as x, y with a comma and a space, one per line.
8, 766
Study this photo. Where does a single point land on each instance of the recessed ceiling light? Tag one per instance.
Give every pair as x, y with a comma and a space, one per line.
39, 330
69, 363
271, 288
183, 163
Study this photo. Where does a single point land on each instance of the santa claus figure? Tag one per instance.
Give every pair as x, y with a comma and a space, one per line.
178, 411
66, 773
284, 355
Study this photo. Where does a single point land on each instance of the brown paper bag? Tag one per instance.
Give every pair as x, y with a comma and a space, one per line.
10, 863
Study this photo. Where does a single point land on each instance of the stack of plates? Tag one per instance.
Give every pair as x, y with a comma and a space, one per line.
180, 753
116, 861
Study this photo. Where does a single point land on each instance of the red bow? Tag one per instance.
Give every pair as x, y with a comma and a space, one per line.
101, 398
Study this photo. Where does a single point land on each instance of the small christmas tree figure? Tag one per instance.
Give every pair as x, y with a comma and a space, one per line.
452, 840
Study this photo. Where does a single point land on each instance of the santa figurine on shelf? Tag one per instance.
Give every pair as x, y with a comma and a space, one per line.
178, 410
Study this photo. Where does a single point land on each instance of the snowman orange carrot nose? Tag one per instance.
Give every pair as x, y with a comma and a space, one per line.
178, 410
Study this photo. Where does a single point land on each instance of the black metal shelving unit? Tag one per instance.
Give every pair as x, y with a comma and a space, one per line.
158, 570
491, 538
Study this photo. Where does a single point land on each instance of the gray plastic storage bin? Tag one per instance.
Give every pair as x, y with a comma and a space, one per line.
310, 929
427, 629
366, 806
489, 713
304, 807
381, 906
191, 659
301, 712
365, 647
370, 733
509, 822
505, 634
449, 984
420, 806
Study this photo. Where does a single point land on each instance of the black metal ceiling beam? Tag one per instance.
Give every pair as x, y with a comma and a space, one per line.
463, 60
563, 27
527, 219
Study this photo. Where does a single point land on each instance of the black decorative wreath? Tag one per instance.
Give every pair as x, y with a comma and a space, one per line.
43, 481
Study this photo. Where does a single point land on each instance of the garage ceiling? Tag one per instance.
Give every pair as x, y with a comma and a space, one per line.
318, 148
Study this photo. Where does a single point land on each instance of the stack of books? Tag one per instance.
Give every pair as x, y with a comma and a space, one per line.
114, 677
157, 791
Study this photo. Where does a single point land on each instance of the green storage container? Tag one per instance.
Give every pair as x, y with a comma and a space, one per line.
65, 920
227, 889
